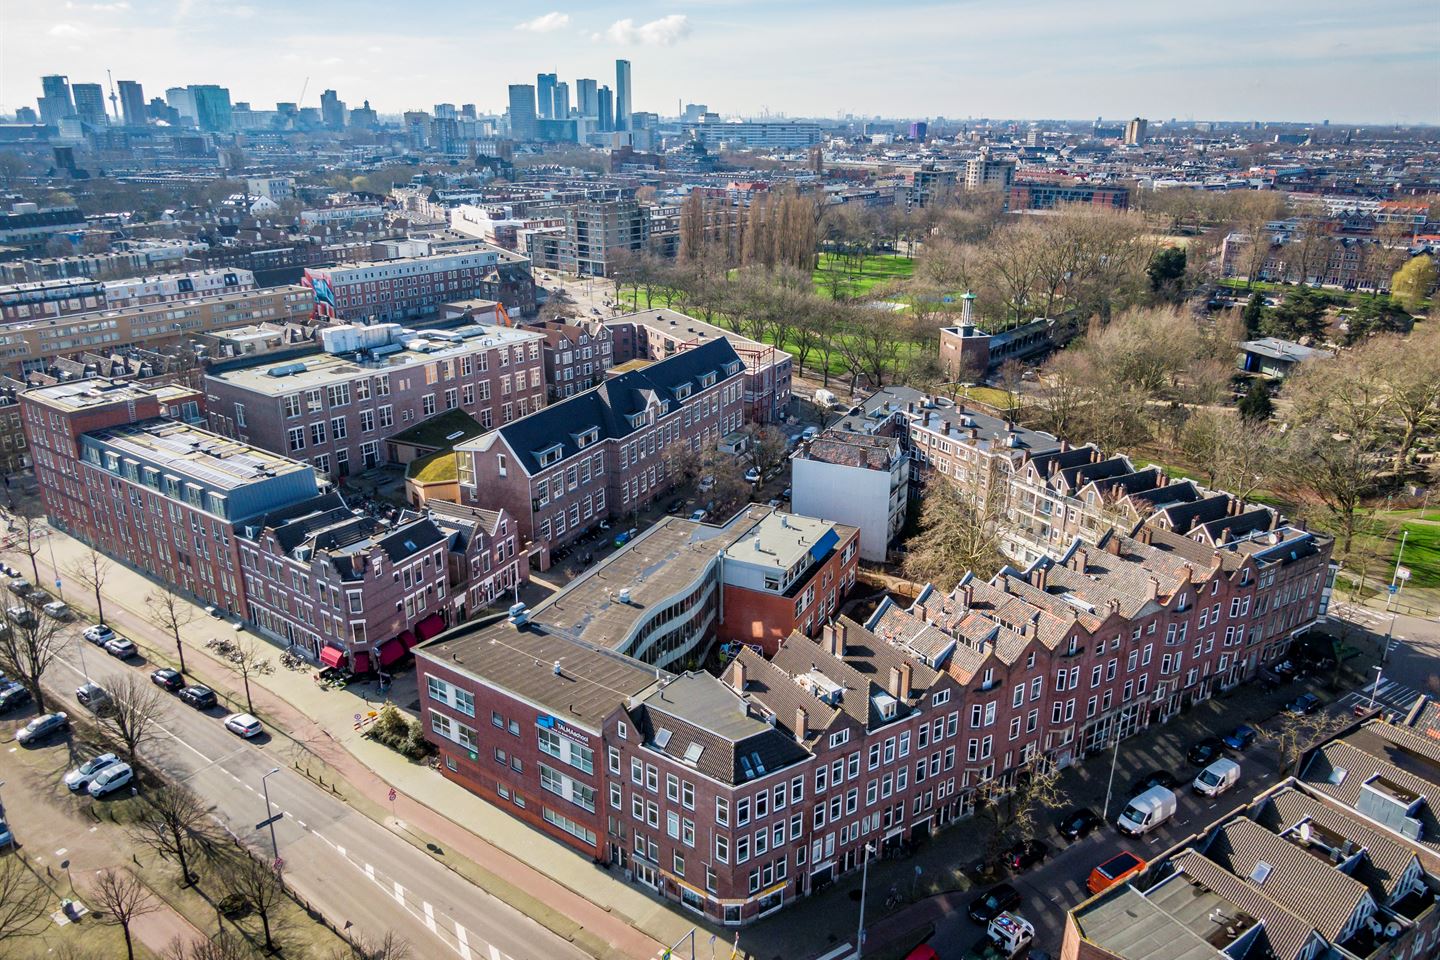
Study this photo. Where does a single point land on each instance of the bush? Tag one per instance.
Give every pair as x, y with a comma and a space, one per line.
393, 729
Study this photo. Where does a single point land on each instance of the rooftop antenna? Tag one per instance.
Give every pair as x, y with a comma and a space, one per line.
114, 100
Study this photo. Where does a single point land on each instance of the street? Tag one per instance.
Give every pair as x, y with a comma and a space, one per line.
346, 865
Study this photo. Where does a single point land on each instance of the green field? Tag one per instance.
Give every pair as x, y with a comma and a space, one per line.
1350, 297
835, 276
1422, 554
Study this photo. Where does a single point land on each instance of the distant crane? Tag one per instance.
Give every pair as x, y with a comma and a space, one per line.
114, 100
301, 99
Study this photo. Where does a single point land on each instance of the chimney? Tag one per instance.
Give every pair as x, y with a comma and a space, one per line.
969, 592
802, 720
357, 563
1064, 445
894, 686
842, 631
922, 611
1143, 535
737, 677
1040, 576
827, 637
1152, 588
1079, 561
907, 674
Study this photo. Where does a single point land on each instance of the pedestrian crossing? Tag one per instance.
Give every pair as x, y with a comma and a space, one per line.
1390, 694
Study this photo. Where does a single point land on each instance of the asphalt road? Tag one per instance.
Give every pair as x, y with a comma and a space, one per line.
346, 865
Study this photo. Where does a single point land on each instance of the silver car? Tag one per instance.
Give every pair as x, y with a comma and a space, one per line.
78, 780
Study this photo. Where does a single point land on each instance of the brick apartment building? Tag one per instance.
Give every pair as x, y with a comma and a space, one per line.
400, 289
32, 344
577, 352
336, 406
602, 453
1340, 262
969, 353
47, 299
1028, 195
658, 334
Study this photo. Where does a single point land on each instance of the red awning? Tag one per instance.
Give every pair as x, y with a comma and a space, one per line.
332, 656
362, 662
408, 639
430, 626
390, 651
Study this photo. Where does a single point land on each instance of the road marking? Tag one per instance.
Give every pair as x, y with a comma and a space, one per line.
338, 849
494, 952
399, 892
62, 851
429, 916
369, 871
299, 821
462, 938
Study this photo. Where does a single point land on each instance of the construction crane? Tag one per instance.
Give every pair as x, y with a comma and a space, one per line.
301, 99
114, 100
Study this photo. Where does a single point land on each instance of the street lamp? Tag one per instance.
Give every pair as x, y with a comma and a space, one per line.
1379, 671
864, 876
269, 818
1110, 785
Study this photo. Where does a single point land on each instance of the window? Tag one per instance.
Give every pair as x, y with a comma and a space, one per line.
722, 811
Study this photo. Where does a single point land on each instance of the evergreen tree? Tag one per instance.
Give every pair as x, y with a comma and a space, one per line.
1256, 406
1254, 313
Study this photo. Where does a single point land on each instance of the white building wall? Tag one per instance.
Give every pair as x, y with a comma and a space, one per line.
850, 495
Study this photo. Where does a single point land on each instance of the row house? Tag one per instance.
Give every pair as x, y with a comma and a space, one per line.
607, 452
400, 289
342, 587
577, 354
337, 406
47, 299
658, 334
157, 494
485, 560
1065, 657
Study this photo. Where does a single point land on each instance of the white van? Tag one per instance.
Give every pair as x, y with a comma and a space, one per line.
1217, 778
1147, 811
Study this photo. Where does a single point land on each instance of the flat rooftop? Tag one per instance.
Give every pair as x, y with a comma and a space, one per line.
319, 368
782, 540
220, 462
654, 567
1126, 923
687, 329
941, 415
91, 392
145, 309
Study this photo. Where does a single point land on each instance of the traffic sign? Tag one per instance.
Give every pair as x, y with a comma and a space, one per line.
1402, 573
392, 794
57, 583
269, 820
1393, 588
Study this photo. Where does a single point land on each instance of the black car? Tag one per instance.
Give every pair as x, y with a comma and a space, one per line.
1078, 823
1305, 703
1206, 751
12, 695
1240, 738
169, 679
1155, 778
199, 697
1025, 854
991, 905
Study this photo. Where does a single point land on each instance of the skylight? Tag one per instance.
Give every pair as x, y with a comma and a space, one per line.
662, 737
692, 752
1261, 872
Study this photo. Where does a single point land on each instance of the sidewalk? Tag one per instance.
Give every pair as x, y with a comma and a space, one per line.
321, 721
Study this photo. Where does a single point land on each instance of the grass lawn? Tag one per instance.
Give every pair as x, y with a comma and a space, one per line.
1352, 297
874, 270
1422, 554
990, 396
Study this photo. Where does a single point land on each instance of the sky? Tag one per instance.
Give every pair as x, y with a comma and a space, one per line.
1277, 60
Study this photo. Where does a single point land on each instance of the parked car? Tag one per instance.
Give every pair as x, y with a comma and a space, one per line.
93, 695
1305, 703
1025, 854
1240, 738
79, 778
1218, 777
1155, 778
13, 695
6, 837
42, 727
110, 779
198, 696
21, 616
99, 634
752, 475
1147, 811
1117, 869
120, 648
169, 679
676, 506
1078, 823
698, 515
57, 610
242, 725
984, 908
1207, 750
19, 586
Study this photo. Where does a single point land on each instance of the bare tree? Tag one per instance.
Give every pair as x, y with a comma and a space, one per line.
30, 533
1340, 471
173, 822
248, 661
1015, 812
123, 899
28, 648
766, 448
130, 716
225, 945
92, 569
959, 534
1235, 455
23, 899
170, 612
1294, 733
261, 884
391, 946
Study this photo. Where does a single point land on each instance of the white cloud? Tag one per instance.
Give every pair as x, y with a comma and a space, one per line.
663, 32
546, 23
65, 30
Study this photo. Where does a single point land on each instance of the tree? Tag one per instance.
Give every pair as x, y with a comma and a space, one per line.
1018, 814
958, 535
12, 165
766, 447
1338, 470
28, 649
1294, 733
130, 716
261, 884
123, 899
249, 661
23, 899
1300, 314
1237, 454
172, 822
1256, 406
1413, 282
1166, 271
1376, 315
30, 533
1254, 314
391, 946
225, 945
170, 612
92, 569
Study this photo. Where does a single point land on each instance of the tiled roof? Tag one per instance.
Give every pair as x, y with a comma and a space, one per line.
1387, 858
1284, 930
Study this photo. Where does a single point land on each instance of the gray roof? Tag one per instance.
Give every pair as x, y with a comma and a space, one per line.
1285, 931
1287, 351
1125, 923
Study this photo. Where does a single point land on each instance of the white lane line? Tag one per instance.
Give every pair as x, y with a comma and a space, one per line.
463, 939
399, 892
338, 849
299, 821
429, 916
494, 951
369, 871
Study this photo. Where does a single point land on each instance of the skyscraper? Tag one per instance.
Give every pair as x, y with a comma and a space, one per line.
332, 110
522, 111
587, 98
90, 103
605, 109
562, 100
622, 94
545, 94
55, 103
212, 107
1135, 131
182, 99
132, 103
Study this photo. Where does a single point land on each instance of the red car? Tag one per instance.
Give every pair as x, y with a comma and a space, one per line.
923, 952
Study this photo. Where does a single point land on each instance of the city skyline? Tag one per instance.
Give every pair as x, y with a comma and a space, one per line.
1038, 61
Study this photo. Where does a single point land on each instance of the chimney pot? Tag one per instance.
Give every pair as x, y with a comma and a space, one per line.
894, 685
738, 678
802, 720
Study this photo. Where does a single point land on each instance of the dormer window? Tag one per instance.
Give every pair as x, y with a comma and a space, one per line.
549, 455
707, 380
732, 368
587, 437
682, 391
